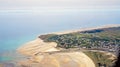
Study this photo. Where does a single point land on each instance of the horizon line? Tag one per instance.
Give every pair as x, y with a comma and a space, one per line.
53, 10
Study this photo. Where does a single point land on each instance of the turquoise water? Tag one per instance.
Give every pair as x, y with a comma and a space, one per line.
8, 47
19, 28
14, 42
6, 58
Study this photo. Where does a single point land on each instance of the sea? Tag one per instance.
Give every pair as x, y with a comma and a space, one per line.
19, 27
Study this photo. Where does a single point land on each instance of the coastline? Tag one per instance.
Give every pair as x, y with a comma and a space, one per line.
78, 58
37, 51
37, 48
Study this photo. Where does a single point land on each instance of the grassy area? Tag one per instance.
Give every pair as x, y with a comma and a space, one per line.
88, 39
101, 58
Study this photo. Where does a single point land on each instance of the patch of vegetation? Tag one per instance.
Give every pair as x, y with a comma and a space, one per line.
93, 31
89, 39
100, 58
45, 37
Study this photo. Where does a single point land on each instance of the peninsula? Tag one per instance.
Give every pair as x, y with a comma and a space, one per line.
90, 47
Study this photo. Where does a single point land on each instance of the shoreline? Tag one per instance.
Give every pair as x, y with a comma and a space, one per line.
27, 50
38, 47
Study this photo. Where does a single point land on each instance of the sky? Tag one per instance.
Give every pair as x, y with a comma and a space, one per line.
59, 4
57, 13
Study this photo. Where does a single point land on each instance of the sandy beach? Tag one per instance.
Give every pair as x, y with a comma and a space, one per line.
70, 59
36, 50
37, 46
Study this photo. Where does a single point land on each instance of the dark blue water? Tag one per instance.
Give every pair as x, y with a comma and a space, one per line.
17, 28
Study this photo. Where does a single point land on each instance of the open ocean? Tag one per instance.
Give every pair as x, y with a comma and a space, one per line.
17, 28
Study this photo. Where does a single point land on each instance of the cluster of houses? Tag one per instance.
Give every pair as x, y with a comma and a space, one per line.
110, 47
